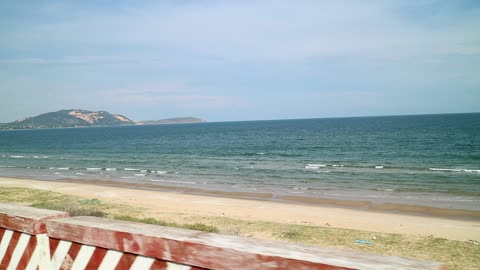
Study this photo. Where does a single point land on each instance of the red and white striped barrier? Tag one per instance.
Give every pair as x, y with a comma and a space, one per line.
43, 239
71, 255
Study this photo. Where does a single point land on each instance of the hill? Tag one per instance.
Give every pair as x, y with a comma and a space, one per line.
69, 118
84, 118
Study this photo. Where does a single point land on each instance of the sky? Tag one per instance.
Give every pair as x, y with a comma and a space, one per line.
239, 60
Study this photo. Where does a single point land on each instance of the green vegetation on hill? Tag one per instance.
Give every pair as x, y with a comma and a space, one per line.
69, 118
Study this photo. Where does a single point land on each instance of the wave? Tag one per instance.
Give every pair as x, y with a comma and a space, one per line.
111, 169
131, 169
161, 172
455, 170
379, 167
139, 174
172, 181
63, 168
17, 156
94, 169
315, 166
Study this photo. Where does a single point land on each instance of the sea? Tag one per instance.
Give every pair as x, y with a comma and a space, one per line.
431, 160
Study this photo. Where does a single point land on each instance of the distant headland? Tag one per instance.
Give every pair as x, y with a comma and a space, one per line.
85, 118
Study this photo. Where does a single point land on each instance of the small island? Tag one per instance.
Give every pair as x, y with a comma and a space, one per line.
84, 118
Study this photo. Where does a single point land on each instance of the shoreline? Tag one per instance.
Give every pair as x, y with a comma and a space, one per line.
362, 205
174, 204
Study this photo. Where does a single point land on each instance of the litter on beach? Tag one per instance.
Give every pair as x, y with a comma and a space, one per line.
363, 242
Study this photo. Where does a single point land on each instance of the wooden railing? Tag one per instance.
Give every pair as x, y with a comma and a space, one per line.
42, 239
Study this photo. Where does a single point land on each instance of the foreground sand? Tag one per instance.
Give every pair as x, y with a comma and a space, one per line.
163, 202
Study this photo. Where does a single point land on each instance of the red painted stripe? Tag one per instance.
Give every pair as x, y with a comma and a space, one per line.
27, 254
2, 231
71, 255
11, 247
159, 265
96, 259
53, 243
126, 261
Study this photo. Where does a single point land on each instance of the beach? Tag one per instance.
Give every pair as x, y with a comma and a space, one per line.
176, 204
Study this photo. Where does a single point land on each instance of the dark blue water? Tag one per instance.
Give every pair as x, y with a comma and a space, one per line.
428, 158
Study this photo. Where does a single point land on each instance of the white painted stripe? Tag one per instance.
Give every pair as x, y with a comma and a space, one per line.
7, 235
41, 255
83, 257
18, 251
59, 255
174, 266
142, 263
111, 259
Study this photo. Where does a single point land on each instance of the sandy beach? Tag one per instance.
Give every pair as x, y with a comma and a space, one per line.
171, 202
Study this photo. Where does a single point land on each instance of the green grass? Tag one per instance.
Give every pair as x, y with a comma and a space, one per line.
456, 255
194, 226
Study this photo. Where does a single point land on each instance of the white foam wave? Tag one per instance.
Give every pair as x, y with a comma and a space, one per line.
445, 170
79, 173
17, 156
467, 170
131, 169
384, 189
161, 172
261, 153
57, 173
337, 165
143, 171
315, 166
324, 171
94, 169
111, 169
63, 168
139, 174
52, 168
379, 167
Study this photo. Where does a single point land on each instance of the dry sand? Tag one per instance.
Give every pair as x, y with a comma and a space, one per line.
171, 202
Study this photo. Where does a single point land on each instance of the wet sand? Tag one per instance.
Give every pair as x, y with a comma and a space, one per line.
361, 215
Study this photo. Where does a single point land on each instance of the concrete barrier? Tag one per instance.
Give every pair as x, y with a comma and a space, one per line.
43, 239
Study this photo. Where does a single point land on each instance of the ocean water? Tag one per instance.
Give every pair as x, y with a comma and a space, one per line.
425, 159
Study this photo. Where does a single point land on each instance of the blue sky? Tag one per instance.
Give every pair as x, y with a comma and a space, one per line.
239, 60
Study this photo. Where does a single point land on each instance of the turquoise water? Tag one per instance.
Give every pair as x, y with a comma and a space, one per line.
426, 159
